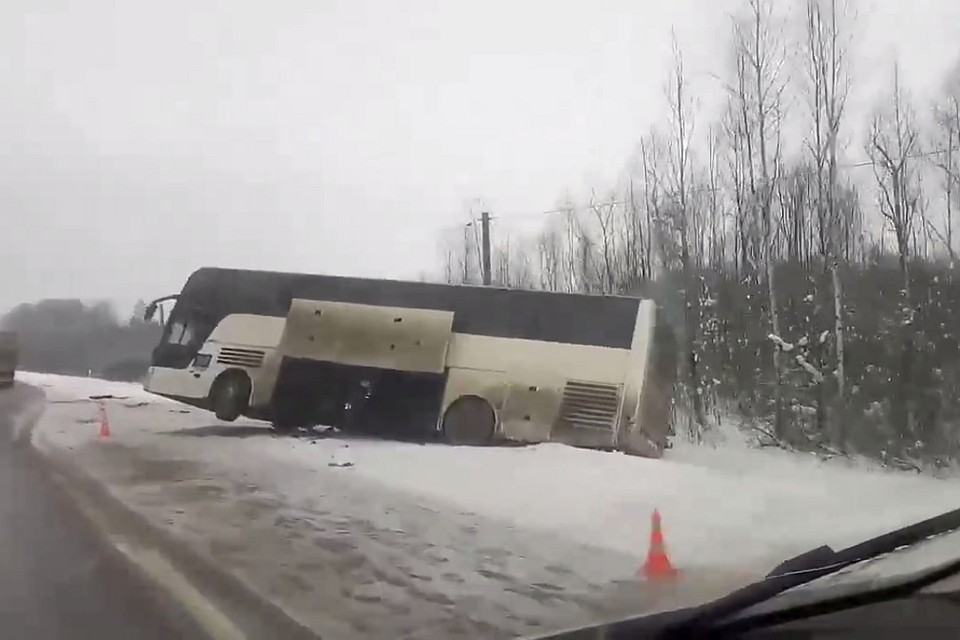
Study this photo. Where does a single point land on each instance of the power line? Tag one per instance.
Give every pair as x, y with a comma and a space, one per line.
579, 208
570, 209
913, 156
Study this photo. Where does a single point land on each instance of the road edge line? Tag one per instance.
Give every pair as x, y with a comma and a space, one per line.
123, 529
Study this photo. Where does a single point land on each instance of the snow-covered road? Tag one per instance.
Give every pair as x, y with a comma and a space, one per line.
427, 540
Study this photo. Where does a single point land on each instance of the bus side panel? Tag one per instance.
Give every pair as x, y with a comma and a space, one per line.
482, 383
548, 360
528, 391
657, 398
646, 430
176, 383
359, 335
533, 381
264, 386
531, 407
250, 343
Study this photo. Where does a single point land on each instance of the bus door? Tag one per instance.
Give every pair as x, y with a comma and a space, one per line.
359, 335
363, 366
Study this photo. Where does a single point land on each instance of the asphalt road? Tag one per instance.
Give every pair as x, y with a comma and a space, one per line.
57, 578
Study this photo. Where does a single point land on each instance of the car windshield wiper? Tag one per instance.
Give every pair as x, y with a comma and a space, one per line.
804, 568
818, 563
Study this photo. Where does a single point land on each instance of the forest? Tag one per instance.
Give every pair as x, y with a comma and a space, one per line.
83, 339
807, 258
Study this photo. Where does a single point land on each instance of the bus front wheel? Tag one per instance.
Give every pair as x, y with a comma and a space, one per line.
229, 396
469, 420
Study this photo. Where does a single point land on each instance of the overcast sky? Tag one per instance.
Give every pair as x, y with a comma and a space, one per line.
140, 140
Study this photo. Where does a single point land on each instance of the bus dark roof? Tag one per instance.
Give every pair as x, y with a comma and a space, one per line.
597, 320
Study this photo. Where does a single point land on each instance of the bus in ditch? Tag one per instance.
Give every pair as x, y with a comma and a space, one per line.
417, 360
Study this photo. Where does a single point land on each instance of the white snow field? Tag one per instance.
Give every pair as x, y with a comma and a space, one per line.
433, 541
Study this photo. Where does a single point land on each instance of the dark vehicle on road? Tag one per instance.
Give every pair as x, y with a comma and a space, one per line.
9, 353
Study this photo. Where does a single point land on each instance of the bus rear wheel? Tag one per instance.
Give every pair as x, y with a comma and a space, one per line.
469, 420
229, 396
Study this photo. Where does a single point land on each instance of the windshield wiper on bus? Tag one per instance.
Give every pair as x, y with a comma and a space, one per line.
806, 567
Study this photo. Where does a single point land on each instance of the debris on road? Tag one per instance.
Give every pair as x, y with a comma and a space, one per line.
340, 458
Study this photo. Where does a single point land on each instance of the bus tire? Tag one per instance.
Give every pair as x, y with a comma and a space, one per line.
230, 395
469, 420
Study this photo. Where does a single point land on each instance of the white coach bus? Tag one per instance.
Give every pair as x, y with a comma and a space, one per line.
464, 364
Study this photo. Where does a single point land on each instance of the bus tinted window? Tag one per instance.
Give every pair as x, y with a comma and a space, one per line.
603, 321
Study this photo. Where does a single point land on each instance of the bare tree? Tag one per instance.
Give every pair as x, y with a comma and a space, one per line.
651, 155
947, 159
604, 212
714, 252
636, 253
796, 194
676, 226
745, 240
828, 77
567, 236
828, 80
581, 259
460, 255
893, 147
450, 274
512, 266
756, 99
550, 251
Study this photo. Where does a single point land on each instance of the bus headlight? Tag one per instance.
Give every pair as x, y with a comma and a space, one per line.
202, 361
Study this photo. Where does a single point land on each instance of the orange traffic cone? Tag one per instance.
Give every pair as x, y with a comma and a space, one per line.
657, 566
104, 422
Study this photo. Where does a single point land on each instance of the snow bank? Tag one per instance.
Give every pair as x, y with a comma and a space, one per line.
64, 388
720, 507
723, 506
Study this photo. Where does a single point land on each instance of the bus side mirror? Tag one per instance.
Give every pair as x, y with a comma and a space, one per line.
149, 312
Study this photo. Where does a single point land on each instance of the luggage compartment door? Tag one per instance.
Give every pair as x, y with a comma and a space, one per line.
368, 336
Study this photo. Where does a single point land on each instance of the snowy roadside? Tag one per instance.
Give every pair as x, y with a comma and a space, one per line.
340, 553
382, 539
65, 388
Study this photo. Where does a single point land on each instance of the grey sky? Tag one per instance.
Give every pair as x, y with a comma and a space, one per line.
139, 140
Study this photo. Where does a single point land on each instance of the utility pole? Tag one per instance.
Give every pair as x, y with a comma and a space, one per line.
485, 246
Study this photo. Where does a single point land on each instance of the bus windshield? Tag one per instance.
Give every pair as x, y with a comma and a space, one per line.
187, 327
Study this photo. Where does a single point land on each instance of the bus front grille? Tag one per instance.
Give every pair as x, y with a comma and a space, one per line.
590, 405
239, 357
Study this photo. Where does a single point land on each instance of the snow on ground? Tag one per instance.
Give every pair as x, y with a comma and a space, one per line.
73, 387
729, 505
342, 553
730, 515
569, 520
